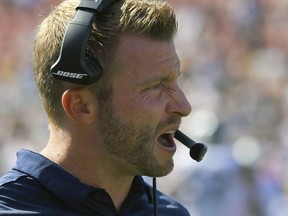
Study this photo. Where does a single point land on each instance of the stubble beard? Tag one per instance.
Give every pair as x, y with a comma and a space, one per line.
132, 143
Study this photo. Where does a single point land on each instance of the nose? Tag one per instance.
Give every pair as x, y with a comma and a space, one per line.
178, 103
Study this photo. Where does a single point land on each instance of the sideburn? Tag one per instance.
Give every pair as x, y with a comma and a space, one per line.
102, 92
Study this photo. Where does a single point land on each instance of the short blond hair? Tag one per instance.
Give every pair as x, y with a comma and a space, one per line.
151, 18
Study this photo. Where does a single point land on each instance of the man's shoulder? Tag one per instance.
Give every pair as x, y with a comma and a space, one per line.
14, 180
17, 185
19, 193
10, 177
167, 205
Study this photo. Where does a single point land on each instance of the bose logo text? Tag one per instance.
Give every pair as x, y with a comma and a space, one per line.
70, 75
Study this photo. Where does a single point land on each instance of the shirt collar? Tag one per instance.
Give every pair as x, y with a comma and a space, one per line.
62, 183
52, 176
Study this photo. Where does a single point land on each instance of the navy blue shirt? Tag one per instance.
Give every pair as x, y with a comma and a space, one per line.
37, 186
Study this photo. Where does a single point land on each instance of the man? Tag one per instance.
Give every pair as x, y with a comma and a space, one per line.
106, 135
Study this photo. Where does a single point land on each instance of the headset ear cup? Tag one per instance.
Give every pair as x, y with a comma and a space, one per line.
93, 68
72, 64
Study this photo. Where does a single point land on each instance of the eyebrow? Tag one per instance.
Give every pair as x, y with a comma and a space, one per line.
163, 78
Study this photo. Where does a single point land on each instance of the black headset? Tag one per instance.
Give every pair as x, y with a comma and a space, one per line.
72, 64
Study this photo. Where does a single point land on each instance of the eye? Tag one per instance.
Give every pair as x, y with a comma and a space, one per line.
155, 86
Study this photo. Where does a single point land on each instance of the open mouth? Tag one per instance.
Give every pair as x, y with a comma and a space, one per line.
167, 140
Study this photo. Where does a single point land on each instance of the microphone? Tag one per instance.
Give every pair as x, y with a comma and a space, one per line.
197, 150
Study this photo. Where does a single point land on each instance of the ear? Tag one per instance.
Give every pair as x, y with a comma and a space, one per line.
79, 104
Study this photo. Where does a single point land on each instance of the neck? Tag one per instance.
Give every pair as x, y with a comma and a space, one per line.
92, 166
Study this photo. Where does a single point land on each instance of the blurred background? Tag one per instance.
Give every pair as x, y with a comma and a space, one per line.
235, 74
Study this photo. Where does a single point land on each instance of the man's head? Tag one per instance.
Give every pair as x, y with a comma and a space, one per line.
154, 19
129, 114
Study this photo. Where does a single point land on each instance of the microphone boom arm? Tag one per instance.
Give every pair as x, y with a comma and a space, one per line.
197, 150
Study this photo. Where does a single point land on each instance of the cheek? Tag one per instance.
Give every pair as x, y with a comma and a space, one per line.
139, 110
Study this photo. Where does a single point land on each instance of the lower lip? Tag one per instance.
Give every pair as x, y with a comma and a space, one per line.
171, 149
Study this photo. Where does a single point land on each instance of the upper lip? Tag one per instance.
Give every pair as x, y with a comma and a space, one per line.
171, 129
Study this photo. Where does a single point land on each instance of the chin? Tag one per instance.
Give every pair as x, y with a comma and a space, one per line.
167, 170
160, 170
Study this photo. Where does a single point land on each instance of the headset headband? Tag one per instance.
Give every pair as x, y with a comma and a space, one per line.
72, 64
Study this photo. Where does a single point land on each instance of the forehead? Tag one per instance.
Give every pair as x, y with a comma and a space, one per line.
142, 54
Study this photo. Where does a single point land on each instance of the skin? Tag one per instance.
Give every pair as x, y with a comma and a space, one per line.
117, 139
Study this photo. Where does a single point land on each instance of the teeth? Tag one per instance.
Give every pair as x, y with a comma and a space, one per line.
165, 142
167, 139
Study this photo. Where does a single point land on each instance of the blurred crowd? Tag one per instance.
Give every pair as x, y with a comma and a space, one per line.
235, 73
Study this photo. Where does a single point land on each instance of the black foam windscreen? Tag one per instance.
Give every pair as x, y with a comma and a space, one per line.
197, 150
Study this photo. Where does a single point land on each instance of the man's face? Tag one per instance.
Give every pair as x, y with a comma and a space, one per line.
146, 106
